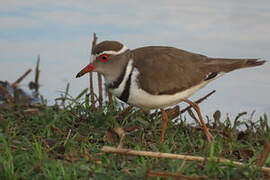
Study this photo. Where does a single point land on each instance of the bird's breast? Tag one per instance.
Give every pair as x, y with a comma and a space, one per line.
123, 87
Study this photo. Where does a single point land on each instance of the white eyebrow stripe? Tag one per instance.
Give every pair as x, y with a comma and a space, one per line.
123, 49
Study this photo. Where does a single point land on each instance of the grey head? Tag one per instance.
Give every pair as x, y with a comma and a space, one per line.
108, 58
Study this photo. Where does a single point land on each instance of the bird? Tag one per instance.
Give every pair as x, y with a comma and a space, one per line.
155, 77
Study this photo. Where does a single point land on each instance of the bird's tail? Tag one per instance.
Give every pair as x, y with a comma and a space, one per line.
227, 65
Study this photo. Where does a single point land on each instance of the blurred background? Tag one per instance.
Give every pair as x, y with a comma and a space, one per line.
61, 32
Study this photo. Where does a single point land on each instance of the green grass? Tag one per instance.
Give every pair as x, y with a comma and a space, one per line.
35, 145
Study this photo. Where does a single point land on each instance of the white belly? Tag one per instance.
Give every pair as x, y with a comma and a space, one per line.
139, 97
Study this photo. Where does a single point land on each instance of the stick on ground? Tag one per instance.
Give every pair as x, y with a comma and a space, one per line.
151, 173
108, 149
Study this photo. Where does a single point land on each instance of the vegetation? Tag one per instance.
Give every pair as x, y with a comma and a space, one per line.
65, 141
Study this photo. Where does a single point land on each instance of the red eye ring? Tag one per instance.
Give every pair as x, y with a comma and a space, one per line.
104, 57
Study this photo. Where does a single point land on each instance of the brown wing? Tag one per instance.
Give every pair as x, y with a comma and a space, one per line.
167, 70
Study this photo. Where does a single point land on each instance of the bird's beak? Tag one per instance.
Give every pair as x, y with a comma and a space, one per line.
89, 68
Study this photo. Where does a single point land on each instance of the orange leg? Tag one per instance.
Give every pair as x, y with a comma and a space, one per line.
164, 124
205, 129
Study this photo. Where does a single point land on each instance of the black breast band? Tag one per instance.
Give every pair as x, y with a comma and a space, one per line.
126, 92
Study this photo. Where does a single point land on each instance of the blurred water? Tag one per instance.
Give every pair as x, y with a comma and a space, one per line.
61, 32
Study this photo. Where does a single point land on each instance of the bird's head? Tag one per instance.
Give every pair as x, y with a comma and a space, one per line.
108, 58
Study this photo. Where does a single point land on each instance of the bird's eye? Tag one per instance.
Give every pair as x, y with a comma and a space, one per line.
104, 57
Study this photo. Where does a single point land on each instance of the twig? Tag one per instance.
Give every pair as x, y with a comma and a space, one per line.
108, 149
179, 170
109, 96
4, 93
92, 94
198, 101
133, 128
264, 155
173, 112
69, 132
37, 75
216, 117
94, 42
151, 173
239, 115
91, 88
21, 78
126, 170
100, 99
124, 112
192, 115
31, 110
15, 147
236, 122
63, 98
121, 134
